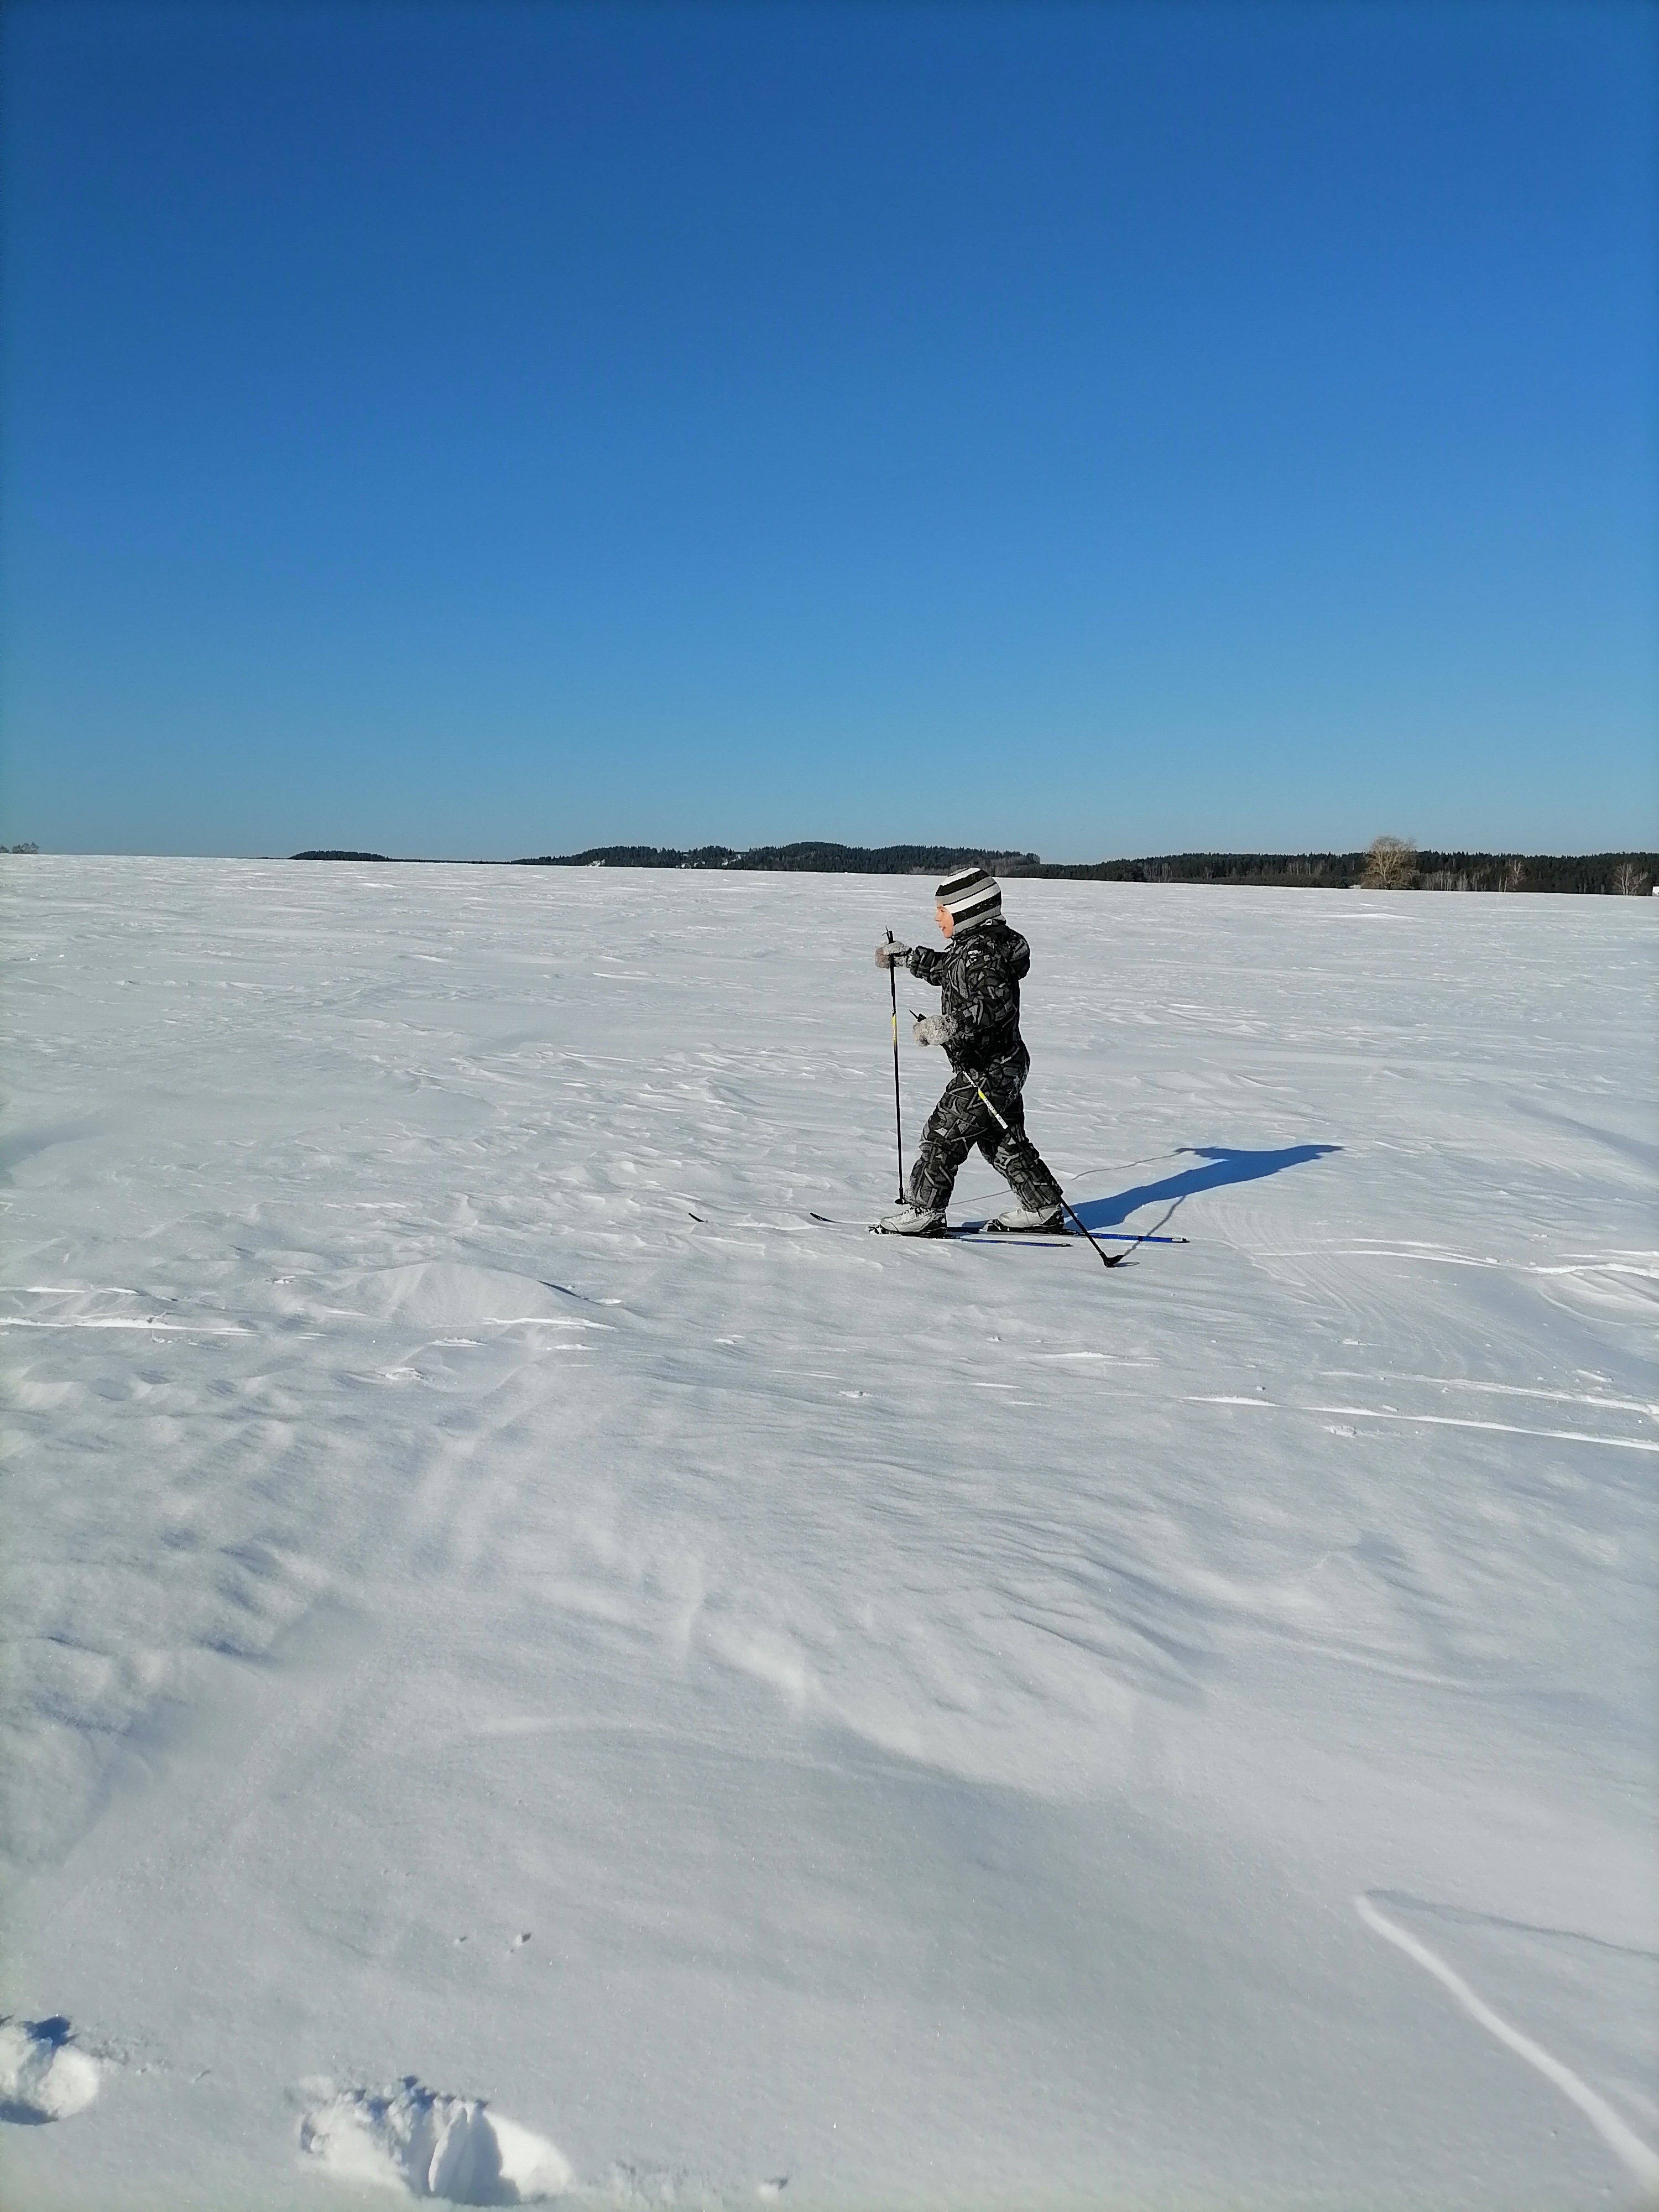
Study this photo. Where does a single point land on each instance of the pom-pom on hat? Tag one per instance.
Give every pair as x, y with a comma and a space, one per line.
969, 896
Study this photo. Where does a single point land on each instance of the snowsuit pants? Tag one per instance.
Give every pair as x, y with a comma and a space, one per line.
962, 1119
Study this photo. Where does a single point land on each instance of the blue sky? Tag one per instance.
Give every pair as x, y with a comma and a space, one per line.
1105, 429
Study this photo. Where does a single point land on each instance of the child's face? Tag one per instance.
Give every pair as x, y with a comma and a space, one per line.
945, 918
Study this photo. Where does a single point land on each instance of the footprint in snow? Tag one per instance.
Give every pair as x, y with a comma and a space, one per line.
454, 2148
43, 2076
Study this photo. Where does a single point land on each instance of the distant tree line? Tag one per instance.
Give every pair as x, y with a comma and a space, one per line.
1387, 864
1390, 863
329, 853
811, 858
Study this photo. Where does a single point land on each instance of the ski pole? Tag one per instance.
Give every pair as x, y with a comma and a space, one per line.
898, 1114
1107, 1259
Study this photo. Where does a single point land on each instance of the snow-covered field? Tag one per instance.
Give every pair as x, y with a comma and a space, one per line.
783, 1715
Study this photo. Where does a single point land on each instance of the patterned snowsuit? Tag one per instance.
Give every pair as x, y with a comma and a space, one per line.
978, 974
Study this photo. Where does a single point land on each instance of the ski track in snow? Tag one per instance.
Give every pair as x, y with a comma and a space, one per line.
1626, 2145
1427, 1420
934, 1708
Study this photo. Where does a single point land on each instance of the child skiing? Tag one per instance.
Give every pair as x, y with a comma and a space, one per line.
978, 974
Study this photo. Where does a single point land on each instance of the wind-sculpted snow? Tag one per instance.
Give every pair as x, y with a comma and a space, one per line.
498, 1594
433, 2146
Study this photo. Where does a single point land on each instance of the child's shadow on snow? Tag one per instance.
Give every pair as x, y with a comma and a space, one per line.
1222, 1164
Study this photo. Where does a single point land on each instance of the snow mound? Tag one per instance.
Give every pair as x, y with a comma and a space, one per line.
450, 1294
42, 2075
431, 2145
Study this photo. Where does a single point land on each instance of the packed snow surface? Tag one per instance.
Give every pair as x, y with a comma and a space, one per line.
537, 1666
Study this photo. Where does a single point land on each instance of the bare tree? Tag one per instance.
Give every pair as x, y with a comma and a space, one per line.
1391, 865
1629, 881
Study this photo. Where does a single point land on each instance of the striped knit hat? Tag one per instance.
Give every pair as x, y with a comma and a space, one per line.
970, 896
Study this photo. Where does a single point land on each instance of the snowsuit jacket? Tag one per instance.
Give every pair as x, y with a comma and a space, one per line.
978, 975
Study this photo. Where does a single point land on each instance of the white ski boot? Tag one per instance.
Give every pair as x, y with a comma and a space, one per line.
1028, 1221
911, 1221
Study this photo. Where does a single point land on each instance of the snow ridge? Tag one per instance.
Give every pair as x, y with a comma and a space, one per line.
431, 2145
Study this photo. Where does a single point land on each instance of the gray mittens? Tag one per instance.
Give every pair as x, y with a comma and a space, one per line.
929, 1029
888, 954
